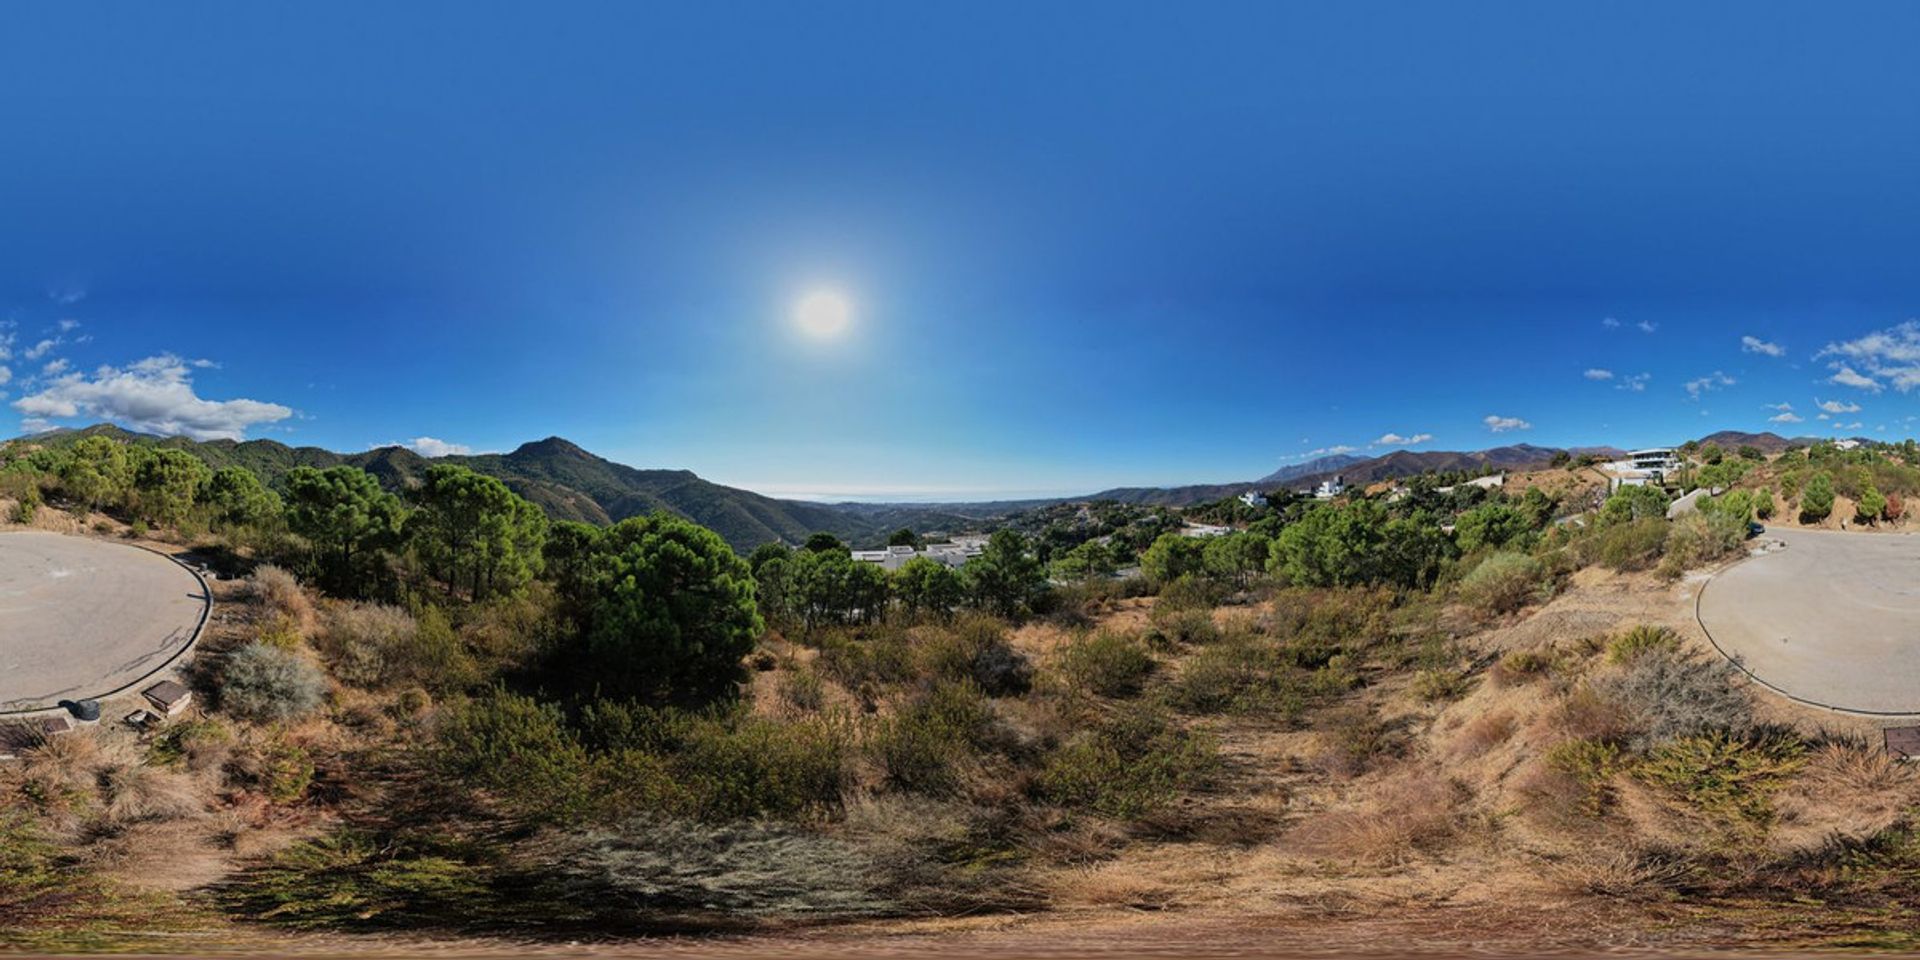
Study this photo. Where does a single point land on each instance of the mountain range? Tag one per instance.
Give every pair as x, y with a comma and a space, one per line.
570, 483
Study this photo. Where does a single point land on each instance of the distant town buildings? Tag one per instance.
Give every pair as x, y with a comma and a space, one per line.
954, 553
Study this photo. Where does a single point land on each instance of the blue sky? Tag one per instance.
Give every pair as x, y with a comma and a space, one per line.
1084, 246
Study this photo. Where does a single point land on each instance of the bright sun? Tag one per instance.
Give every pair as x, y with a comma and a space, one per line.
823, 314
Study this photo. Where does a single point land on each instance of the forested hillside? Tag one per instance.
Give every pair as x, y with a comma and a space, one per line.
569, 483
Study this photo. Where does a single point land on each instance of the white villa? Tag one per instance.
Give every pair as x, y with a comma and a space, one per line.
1328, 489
1204, 530
1253, 498
954, 553
1641, 467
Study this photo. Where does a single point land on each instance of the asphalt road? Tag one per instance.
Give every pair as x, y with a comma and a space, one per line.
1828, 617
80, 618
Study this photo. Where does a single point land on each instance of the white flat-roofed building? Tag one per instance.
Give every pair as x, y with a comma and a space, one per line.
1253, 498
954, 554
1204, 530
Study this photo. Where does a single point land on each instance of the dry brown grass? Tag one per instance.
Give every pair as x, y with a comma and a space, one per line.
1586, 715
1849, 789
1619, 874
1415, 811
1484, 732
279, 592
136, 792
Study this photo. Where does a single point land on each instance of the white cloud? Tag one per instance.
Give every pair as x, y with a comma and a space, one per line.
1609, 322
1391, 439
1499, 424
1782, 407
1847, 426
1848, 377
1786, 416
1837, 406
55, 367
154, 395
68, 326
1596, 373
431, 447
40, 349
1709, 383
1636, 383
5, 376
1647, 326
1892, 355
1752, 344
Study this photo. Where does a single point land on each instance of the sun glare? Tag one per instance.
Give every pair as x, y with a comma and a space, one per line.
823, 314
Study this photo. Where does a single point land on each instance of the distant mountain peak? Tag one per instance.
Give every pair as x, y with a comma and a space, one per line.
551, 447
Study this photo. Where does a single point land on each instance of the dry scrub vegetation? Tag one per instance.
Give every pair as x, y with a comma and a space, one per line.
1510, 722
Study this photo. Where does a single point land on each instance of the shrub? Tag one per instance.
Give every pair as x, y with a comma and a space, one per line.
517, 749
1503, 583
1591, 764
1631, 545
1107, 663
1642, 640
802, 689
364, 641
1701, 538
924, 747
740, 766
1728, 778
1441, 683
1245, 675
976, 649
1172, 625
723, 763
1673, 696
265, 683
197, 744
1357, 740
1521, 666
1190, 592
881, 659
279, 591
1130, 766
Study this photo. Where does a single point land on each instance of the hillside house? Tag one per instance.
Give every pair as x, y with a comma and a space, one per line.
1254, 499
1328, 489
1640, 467
954, 553
1204, 530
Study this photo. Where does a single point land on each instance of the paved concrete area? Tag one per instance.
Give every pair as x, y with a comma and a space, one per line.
1827, 617
80, 618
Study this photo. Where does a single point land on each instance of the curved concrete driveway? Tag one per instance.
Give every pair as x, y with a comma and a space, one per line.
1829, 618
84, 618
